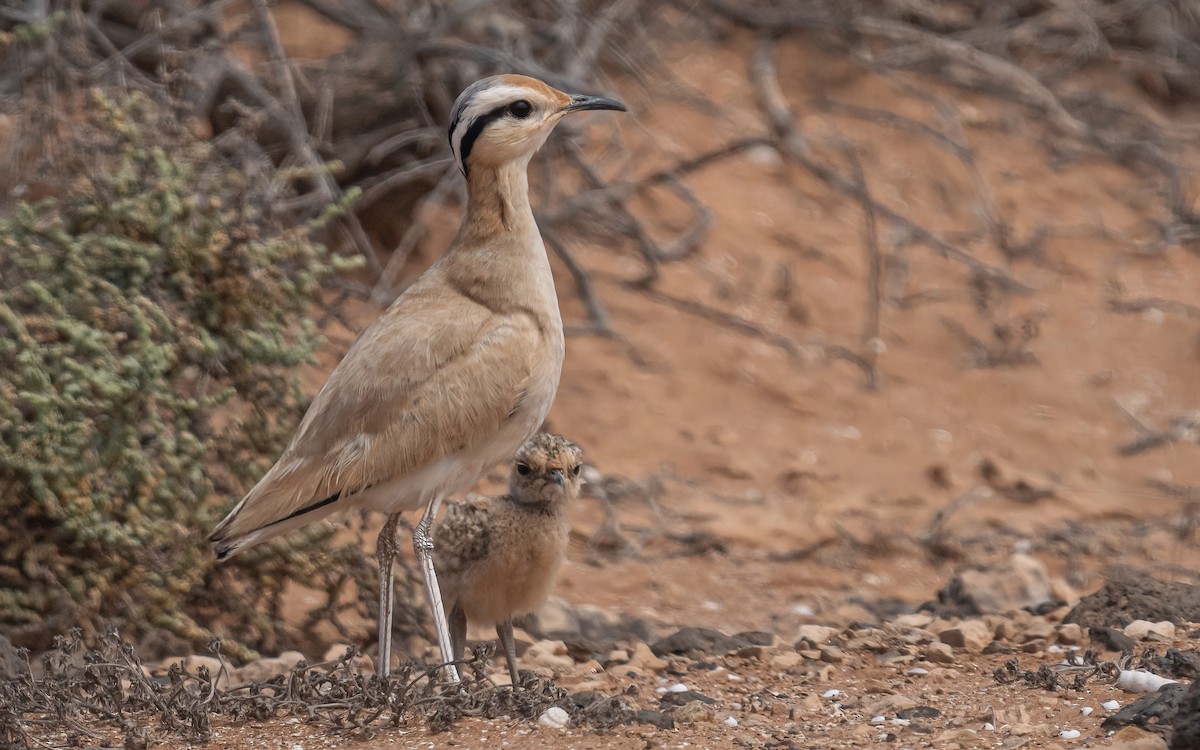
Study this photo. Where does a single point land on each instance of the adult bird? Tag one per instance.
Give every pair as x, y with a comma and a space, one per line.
453, 378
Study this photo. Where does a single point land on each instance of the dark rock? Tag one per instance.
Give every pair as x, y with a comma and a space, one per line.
918, 712
1111, 639
698, 640
1154, 712
1021, 582
12, 664
756, 637
1176, 664
1132, 595
587, 698
655, 718
1186, 735
685, 696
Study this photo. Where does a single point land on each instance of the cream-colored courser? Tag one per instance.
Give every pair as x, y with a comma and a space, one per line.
455, 376
498, 557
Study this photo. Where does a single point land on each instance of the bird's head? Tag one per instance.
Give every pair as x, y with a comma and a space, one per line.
505, 119
546, 471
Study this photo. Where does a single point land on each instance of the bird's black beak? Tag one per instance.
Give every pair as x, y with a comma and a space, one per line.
580, 102
556, 476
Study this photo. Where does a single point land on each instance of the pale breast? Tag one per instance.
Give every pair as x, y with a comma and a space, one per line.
516, 577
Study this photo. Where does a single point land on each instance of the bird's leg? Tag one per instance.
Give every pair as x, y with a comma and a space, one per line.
458, 631
385, 550
505, 631
423, 545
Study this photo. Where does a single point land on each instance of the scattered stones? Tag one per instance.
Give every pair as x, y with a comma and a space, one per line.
832, 654
1144, 630
265, 669
549, 658
814, 635
1018, 583
973, 635
1134, 595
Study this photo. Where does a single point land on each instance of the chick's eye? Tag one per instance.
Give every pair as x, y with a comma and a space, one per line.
575, 471
523, 469
520, 109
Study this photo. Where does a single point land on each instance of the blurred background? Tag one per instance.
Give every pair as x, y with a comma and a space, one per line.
862, 296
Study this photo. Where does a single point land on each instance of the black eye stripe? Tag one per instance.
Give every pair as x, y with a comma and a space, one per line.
473, 133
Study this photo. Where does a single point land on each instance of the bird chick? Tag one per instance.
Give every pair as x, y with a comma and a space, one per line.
498, 557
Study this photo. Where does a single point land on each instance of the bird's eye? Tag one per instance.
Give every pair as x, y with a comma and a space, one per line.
575, 471
523, 469
520, 109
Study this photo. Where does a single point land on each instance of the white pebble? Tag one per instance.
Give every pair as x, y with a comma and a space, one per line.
990, 727
297, 746
678, 687
1112, 705
730, 721
804, 610
831, 693
901, 722
1086, 710
554, 717
734, 677
918, 671
1069, 734
878, 719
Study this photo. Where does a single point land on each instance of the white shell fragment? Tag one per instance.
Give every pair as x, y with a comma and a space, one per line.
554, 717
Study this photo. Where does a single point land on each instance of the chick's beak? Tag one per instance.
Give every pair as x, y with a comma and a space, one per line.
556, 476
580, 102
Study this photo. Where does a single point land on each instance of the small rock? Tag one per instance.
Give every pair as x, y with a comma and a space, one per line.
785, 661
730, 721
832, 654
1111, 705
1020, 582
655, 718
263, 670
1037, 630
1136, 738
1186, 735
913, 620
556, 620
1069, 734
939, 653
1070, 634
1157, 708
1144, 630
973, 635
549, 658
814, 635
554, 717
698, 641
643, 658
919, 712
888, 705
1111, 639
693, 712
12, 664
679, 698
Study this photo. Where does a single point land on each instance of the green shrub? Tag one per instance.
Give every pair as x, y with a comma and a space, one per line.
151, 317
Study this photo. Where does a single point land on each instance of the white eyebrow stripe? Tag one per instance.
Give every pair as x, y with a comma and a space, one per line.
479, 105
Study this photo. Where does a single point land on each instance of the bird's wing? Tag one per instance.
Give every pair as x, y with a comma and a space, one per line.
437, 373
463, 536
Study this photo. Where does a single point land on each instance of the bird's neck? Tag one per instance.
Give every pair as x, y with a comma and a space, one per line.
498, 201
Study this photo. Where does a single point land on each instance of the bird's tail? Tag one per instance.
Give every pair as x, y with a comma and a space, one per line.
242, 529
